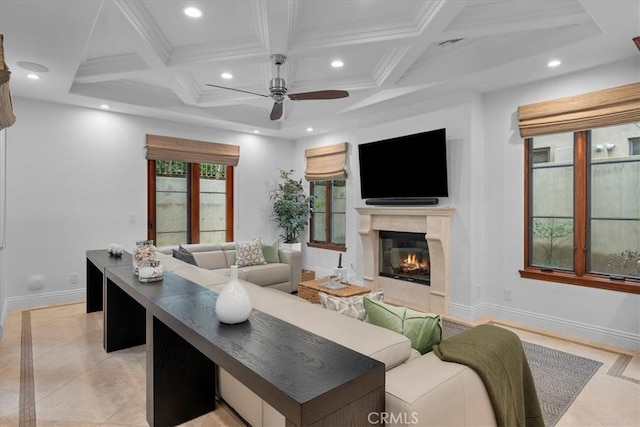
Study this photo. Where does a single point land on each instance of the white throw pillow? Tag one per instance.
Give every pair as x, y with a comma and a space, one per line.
350, 306
249, 253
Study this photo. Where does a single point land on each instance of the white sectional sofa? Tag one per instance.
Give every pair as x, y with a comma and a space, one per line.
420, 390
283, 275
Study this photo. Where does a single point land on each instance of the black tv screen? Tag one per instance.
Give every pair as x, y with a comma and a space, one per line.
406, 167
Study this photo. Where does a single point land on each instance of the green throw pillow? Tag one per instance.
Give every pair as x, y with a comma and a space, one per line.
270, 252
424, 330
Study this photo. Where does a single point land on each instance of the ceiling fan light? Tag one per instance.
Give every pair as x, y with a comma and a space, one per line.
337, 64
193, 12
33, 76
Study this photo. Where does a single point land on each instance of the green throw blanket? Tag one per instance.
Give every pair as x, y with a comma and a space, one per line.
496, 354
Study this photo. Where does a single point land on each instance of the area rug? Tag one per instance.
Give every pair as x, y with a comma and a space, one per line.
559, 376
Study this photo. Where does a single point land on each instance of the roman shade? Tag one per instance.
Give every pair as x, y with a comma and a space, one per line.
606, 107
192, 151
7, 117
326, 163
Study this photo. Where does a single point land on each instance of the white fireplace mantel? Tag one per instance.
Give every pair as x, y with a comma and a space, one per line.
435, 222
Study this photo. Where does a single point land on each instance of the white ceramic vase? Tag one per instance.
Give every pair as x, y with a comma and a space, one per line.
233, 304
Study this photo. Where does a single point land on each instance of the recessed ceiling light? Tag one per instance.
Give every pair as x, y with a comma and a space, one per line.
226, 76
554, 63
256, 131
337, 63
105, 106
309, 129
33, 76
193, 12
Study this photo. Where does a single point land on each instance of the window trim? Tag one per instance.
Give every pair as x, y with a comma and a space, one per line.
579, 275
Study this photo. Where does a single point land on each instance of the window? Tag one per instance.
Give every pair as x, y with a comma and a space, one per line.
582, 208
583, 212
634, 146
189, 190
328, 221
188, 202
326, 173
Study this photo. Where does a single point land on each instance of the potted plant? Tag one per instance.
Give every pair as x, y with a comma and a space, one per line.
291, 207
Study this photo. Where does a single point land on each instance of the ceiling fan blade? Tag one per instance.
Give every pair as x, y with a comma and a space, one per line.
238, 90
276, 112
320, 94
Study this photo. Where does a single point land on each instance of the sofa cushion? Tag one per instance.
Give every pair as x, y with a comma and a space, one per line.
270, 252
349, 306
438, 393
423, 329
184, 255
249, 253
266, 275
211, 260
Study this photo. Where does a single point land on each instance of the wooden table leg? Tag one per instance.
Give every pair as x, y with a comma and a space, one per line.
181, 381
124, 319
95, 280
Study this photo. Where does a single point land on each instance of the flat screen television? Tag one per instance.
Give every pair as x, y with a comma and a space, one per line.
405, 170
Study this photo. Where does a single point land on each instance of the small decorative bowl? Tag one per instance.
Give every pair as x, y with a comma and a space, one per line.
115, 250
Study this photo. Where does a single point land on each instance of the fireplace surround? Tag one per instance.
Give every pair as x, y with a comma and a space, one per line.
434, 223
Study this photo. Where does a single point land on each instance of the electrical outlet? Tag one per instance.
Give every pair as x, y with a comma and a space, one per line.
73, 278
507, 294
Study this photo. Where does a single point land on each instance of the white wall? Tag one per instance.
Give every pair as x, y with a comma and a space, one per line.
486, 161
75, 179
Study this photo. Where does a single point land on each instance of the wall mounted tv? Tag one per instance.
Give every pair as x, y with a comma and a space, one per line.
406, 170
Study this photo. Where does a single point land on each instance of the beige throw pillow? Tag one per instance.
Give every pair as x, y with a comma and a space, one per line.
350, 306
249, 253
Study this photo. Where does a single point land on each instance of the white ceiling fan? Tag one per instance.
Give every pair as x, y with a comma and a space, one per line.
278, 90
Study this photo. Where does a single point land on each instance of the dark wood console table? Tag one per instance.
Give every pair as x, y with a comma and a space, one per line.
307, 378
97, 261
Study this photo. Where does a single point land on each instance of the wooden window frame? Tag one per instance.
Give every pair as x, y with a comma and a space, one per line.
193, 205
326, 244
579, 275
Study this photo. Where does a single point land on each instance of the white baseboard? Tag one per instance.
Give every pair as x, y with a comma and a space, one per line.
583, 331
40, 300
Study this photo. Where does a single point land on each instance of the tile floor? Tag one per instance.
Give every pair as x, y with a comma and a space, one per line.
77, 384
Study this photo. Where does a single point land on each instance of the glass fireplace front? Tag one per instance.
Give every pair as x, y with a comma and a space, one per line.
404, 256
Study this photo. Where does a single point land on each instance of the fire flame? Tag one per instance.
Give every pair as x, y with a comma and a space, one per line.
411, 263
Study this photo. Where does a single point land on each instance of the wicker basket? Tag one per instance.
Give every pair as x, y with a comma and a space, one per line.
308, 275
309, 294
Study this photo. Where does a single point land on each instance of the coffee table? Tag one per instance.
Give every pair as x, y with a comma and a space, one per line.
309, 290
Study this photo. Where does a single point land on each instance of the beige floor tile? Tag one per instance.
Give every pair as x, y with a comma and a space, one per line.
132, 413
92, 397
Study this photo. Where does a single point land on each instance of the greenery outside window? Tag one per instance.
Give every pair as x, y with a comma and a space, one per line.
328, 222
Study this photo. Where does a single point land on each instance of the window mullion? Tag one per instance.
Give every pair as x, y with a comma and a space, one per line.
581, 160
193, 203
329, 211
151, 200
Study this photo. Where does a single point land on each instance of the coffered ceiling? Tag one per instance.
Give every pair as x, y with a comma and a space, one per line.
146, 57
